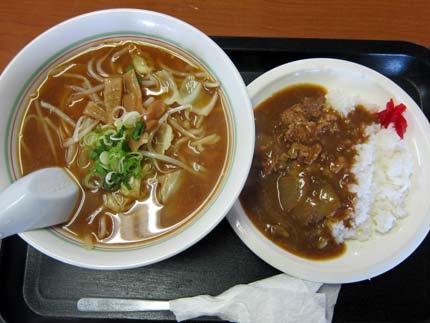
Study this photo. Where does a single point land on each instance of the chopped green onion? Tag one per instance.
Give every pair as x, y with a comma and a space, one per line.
127, 184
98, 168
93, 154
125, 146
114, 162
137, 132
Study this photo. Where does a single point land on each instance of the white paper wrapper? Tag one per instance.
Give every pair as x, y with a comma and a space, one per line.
280, 298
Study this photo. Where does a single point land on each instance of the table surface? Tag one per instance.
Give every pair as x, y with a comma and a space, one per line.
21, 21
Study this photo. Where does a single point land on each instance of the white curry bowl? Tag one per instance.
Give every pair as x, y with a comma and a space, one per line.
362, 259
29, 67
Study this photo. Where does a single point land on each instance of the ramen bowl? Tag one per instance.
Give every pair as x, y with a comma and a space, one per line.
28, 70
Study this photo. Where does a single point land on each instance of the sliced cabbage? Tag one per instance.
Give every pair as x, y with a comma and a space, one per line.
190, 90
168, 84
141, 65
163, 138
134, 191
147, 170
169, 184
115, 201
204, 110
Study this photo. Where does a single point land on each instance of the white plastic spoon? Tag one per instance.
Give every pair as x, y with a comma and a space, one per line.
40, 199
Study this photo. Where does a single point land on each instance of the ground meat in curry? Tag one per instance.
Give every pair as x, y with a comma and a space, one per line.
299, 179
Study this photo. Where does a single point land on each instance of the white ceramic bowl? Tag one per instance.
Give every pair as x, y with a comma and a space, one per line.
28, 68
362, 260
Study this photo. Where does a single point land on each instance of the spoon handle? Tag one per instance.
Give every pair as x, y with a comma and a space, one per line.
120, 305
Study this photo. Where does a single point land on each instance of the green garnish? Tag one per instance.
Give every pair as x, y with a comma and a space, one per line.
137, 132
114, 162
98, 168
93, 154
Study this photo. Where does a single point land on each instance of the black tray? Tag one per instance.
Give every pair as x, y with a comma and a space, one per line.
36, 288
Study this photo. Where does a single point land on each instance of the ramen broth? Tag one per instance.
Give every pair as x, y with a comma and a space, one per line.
199, 144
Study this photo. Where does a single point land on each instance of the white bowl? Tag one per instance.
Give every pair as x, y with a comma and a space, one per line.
29, 66
362, 260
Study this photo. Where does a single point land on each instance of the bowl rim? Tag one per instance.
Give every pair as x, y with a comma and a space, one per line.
232, 184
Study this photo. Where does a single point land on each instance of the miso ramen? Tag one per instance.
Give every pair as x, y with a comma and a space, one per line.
143, 128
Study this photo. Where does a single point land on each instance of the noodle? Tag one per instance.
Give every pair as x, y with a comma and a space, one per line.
91, 71
167, 159
58, 112
99, 66
46, 130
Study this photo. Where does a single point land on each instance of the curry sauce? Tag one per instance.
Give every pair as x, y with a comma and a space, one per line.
301, 172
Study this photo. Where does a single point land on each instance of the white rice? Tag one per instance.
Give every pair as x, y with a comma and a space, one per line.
344, 103
382, 168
